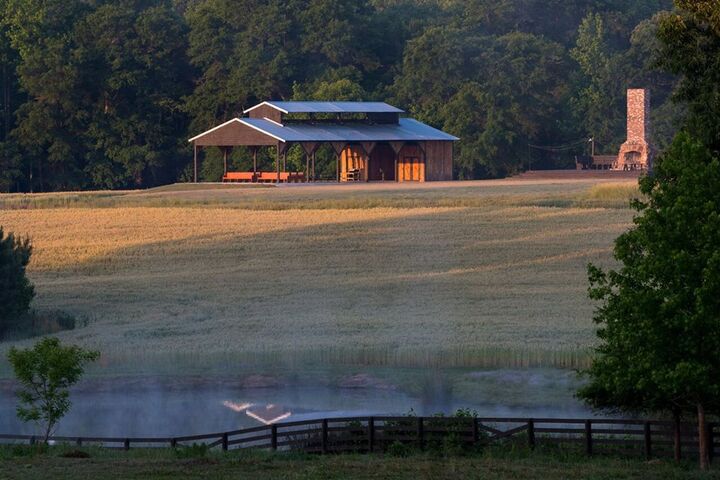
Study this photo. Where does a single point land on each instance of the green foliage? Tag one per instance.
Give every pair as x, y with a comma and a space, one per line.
399, 449
104, 94
691, 48
196, 450
45, 373
660, 312
16, 291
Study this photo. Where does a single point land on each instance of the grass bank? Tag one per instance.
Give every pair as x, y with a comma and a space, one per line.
494, 463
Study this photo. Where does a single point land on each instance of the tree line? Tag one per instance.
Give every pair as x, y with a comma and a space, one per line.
105, 93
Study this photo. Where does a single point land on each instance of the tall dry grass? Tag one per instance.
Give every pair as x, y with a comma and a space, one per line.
493, 277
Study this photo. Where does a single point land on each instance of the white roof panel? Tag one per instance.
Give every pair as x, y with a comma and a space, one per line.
407, 130
330, 107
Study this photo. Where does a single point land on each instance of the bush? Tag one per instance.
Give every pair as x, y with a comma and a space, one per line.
196, 450
16, 291
399, 449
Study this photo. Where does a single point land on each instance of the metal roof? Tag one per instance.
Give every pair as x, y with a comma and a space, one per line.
407, 130
330, 107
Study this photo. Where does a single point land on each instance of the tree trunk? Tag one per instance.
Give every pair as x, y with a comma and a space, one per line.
702, 438
47, 432
677, 435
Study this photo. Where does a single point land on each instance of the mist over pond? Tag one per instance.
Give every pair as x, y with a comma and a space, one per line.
185, 405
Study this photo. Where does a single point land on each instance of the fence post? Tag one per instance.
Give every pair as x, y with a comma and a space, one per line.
324, 436
371, 434
531, 434
225, 442
126, 444
32, 440
648, 441
273, 437
475, 431
420, 433
78, 442
588, 437
173, 443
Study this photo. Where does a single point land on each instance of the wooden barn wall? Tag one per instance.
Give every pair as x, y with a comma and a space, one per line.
352, 157
266, 111
411, 167
233, 134
439, 161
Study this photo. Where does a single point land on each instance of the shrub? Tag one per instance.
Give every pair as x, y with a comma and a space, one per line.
196, 450
399, 449
45, 373
16, 291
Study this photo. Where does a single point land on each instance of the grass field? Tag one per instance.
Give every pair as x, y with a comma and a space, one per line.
466, 274
495, 463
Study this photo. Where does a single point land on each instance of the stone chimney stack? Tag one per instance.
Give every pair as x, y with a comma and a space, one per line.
635, 153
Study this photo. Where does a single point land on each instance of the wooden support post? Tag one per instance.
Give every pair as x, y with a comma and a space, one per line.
284, 169
420, 433
324, 436
337, 166
648, 440
475, 431
307, 167
225, 442
225, 159
126, 444
531, 434
195, 159
371, 434
32, 440
313, 168
588, 437
78, 442
277, 164
255, 150
173, 443
397, 175
274, 438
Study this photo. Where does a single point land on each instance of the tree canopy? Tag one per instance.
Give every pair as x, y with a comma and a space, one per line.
16, 291
104, 94
45, 374
659, 314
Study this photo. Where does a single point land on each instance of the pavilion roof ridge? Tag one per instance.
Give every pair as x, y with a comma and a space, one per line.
314, 106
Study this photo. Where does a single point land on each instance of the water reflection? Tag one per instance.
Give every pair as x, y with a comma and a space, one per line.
151, 406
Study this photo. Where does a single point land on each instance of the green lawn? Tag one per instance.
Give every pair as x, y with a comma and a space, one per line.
496, 463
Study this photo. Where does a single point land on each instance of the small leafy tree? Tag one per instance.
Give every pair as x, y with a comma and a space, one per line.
660, 312
46, 372
16, 291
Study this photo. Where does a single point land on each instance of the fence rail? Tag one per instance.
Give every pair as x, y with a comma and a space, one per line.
650, 438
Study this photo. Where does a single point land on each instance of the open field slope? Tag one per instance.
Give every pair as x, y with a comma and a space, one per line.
477, 273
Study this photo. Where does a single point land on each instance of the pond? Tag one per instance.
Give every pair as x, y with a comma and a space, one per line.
148, 405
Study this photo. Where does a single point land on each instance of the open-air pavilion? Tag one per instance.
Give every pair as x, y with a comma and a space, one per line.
370, 140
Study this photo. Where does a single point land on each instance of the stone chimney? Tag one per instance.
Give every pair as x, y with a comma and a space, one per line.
635, 153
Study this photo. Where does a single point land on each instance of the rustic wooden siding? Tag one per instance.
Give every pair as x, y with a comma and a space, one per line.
439, 161
266, 111
233, 134
411, 167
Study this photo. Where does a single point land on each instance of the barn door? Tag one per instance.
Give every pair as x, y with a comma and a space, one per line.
411, 169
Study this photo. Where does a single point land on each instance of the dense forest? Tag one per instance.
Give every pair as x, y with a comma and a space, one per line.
105, 93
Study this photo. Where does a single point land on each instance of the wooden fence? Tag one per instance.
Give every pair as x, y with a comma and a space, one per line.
649, 438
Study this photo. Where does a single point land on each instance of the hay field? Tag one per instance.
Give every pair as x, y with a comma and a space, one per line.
471, 274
